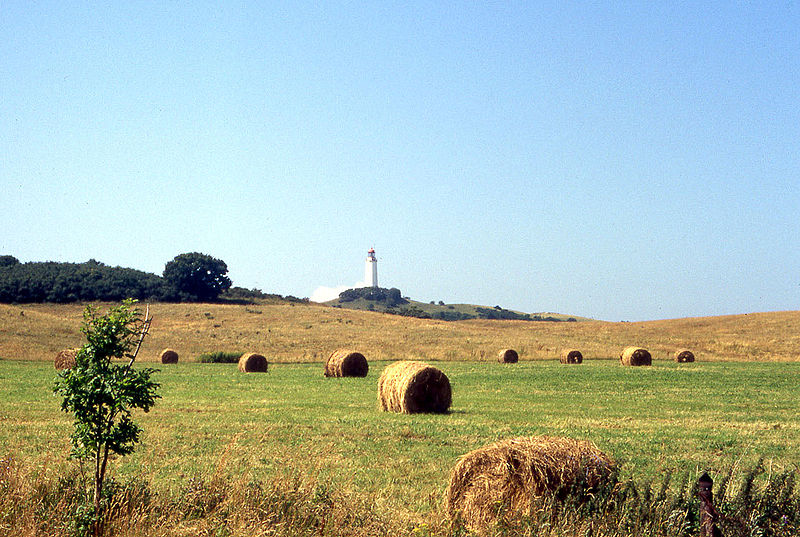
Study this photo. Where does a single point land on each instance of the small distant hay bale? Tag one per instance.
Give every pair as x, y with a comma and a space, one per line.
635, 356
169, 356
346, 363
683, 356
412, 387
508, 356
65, 359
510, 476
571, 356
252, 362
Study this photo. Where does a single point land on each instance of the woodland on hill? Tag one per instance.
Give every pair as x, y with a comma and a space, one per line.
191, 277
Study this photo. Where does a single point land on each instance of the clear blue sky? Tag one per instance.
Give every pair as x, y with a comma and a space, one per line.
626, 162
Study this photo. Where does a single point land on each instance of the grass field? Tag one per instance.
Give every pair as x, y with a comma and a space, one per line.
714, 414
691, 417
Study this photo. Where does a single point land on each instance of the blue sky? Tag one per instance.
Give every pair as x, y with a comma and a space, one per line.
627, 162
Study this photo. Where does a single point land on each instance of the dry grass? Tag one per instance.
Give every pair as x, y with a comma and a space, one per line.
306, 333
508, 356
169, 356
508, 476
413, 387
571, 356
252, 362
65, 359
346, 363
635, 356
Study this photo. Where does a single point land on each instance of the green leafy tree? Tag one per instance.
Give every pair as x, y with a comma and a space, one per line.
8, 261
101, 394
197, 276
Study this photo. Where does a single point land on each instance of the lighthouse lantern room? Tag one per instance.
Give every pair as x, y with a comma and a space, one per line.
371, 269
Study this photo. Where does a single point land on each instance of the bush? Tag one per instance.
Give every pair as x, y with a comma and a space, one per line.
452, 316
220, 357
390, 297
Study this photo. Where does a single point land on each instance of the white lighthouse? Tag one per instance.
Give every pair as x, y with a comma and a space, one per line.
371, 269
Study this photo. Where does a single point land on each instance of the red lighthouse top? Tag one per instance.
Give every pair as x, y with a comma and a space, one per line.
371, 251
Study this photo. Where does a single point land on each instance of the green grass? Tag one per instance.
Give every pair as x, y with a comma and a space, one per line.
683, 418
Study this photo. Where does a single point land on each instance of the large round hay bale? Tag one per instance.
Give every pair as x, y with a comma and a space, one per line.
346, 363
412, 387
571, 356
169, 356
684, 355
635, 356
508, 356
65, 359
252, 363
509, 476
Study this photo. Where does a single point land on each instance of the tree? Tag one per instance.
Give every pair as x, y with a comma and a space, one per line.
101, 394
8, 261
197, 276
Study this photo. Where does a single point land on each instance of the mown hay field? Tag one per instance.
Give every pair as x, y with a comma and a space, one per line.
212, 419
309, 333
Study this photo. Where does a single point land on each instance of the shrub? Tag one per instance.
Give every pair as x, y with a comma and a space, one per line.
220, 357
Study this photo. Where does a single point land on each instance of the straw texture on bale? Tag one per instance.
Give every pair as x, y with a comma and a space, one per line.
413, 387
635, 356
346, 363
510, 475
169, 356
65, 359
684, 355
508, 356
252, 363
571, 356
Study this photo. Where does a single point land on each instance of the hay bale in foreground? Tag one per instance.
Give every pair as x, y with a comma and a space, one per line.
635, 356
169, 356
413, 387
346, 363
65, 359
252, 363
683, 356
508, 356
571, 356
510, 475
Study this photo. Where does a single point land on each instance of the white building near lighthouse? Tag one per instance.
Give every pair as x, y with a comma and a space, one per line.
371, 269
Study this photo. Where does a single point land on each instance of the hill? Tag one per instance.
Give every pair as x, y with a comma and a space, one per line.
391, 301
303, 332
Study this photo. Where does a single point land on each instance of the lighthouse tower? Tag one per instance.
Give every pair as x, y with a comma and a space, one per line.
371, 269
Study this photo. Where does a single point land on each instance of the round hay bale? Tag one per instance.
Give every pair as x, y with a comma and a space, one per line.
571, 356
346, 363
65, 359
413, 387
683, 356
509, 476
635, 356
252, 363
508, 356
169, 356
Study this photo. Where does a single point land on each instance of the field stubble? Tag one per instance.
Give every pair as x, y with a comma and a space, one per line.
309, 333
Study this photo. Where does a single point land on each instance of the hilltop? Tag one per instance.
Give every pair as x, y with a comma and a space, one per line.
391, 301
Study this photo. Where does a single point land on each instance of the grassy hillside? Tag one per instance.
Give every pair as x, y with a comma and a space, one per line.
446, 311
309, 333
